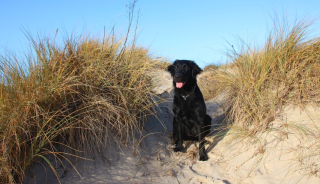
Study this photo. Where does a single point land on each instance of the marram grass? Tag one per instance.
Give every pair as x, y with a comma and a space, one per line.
79, 95
261, 82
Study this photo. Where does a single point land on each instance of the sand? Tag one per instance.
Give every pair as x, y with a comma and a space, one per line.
155, 162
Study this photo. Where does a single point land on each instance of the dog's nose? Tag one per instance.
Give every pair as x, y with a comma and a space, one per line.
177, 76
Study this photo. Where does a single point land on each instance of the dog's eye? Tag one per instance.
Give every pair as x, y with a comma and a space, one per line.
176, 67
185, 67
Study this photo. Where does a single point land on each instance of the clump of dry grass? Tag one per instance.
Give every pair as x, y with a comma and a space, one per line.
262, 82
79, 95
206, 84
206, 81
210, 67
162, 64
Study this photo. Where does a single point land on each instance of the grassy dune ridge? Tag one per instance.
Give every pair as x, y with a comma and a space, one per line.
80, 95
261, 84
260, 81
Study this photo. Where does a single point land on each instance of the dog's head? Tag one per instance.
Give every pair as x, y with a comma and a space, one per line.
182, 71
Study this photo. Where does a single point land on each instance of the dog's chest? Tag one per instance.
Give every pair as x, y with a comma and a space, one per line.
185, 109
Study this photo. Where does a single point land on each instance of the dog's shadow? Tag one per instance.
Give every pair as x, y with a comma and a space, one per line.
219, 128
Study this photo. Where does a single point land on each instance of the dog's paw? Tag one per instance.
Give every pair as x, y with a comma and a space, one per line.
203, 157
177, 149
178, 146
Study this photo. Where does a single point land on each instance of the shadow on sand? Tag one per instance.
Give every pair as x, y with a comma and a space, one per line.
219, 129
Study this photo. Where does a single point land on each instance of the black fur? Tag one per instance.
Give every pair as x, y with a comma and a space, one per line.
190, 121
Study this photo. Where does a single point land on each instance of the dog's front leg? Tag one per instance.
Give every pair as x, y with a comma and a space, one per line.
202, 150
177, 134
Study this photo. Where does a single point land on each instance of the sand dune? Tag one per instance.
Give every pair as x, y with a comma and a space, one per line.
155, 161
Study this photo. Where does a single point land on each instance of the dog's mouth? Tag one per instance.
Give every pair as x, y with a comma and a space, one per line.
179, 84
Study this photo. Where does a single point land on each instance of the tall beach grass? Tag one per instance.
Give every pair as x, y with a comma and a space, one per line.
262, 81
79, 95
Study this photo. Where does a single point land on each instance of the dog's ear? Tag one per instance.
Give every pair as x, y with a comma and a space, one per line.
171, 69
195, 70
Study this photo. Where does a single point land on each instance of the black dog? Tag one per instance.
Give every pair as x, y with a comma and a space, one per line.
190, 121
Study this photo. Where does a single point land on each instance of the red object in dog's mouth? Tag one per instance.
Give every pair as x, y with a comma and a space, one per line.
179, 84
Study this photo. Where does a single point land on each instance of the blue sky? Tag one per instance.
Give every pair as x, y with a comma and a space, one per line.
174, 29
